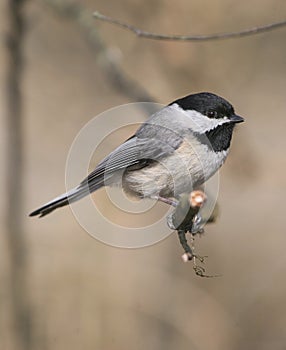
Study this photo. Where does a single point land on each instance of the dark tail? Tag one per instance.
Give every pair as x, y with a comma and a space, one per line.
49, 207
65, 199
92, 183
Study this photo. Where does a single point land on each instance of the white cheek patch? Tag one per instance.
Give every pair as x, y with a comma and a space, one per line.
199, 122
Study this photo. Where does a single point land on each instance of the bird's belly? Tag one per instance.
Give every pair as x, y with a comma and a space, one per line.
178, 173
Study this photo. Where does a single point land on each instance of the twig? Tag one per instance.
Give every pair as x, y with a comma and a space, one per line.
183, 219
117, 78
186, 210
188, 255
218, 36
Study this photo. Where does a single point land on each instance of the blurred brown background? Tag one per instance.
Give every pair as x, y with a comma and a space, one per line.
80, 293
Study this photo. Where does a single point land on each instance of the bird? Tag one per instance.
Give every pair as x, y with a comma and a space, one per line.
176, 150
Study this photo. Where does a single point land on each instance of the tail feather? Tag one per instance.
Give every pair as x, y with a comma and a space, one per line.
51, 206
83, 189
65, 199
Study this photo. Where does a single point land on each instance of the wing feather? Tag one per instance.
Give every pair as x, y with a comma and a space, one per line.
150, 143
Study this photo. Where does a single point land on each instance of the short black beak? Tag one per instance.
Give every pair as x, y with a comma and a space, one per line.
236, 119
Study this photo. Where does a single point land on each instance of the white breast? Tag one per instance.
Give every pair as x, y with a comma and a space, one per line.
186, 169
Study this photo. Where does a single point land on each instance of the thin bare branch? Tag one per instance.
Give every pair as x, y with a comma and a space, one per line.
218, 36
114, 73
183, 220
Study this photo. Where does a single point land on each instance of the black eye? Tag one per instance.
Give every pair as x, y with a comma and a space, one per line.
212, 114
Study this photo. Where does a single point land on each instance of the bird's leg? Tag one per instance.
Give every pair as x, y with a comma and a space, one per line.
168, 201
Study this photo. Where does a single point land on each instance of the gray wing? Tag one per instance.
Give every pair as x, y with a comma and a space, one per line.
150, 143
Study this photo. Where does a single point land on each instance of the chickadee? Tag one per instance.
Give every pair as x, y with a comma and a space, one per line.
175, 151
